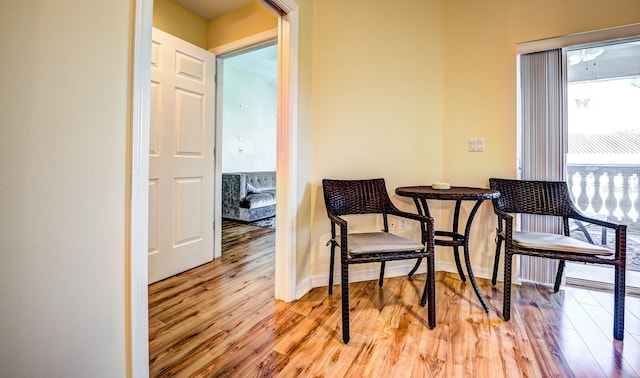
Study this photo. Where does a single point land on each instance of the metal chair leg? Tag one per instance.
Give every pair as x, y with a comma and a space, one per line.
506, 298
618, 311
556, 286
415, 267
381, 279
429, 290
345, 302
496, 262
333, 258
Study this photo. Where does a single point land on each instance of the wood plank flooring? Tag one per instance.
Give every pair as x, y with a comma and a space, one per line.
221, 319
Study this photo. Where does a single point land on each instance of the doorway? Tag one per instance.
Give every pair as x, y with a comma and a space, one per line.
246, 125
136, 280
247, 99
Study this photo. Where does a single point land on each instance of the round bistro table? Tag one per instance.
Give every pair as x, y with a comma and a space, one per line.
453, 238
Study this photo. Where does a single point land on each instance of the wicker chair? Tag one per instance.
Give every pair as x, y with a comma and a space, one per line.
551, 198
347, 197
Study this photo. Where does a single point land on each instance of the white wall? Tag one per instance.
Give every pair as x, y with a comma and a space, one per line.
63, 169
249, 113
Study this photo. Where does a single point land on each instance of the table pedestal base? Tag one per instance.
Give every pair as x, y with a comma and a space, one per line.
456, 240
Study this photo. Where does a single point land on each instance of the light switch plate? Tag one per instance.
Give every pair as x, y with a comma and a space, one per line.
476, 144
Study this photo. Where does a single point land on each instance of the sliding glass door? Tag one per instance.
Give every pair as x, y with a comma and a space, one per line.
603, 159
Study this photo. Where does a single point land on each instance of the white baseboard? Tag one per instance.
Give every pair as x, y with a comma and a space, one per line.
304, 287
322, 280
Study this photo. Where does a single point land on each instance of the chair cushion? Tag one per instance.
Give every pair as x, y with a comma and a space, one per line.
380, 242
555, 242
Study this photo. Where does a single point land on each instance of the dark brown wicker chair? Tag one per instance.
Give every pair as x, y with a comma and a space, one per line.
552, 198
347, 197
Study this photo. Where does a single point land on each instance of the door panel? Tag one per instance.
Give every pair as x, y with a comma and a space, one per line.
189, 214
181, 160
153, 216
154, 131
190, 127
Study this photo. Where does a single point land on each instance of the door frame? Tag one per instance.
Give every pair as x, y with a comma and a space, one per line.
135, 285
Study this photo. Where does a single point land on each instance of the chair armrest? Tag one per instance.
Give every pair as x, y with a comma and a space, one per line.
337, 220
417, 217
342, 223
428, 231
598, 222
502, 216
620, 248
621, 242
508, 224
412, 216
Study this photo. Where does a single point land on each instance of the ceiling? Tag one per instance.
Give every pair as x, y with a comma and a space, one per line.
261, 62
604, 62
210, 9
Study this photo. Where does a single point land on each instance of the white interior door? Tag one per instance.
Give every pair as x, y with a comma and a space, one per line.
181, 156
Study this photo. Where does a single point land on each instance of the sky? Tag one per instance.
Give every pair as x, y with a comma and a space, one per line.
605, 105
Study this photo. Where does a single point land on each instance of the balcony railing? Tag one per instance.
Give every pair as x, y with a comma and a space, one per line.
608, 191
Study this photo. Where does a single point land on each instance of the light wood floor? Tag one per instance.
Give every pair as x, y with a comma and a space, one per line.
221, 319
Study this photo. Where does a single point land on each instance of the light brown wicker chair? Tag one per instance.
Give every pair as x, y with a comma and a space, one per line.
551, 198
347, 197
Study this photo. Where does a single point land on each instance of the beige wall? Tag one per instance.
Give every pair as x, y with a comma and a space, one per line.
180, 22
63, 183
479, 94
480, 75
305, 185
246, 21
398, 89
377, 106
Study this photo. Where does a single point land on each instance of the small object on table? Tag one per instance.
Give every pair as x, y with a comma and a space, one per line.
454, 239
441, 185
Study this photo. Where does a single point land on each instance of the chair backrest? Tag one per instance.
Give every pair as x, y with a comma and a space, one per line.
343, 197
533, 197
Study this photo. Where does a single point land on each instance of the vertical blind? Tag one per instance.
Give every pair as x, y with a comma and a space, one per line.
543, 144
